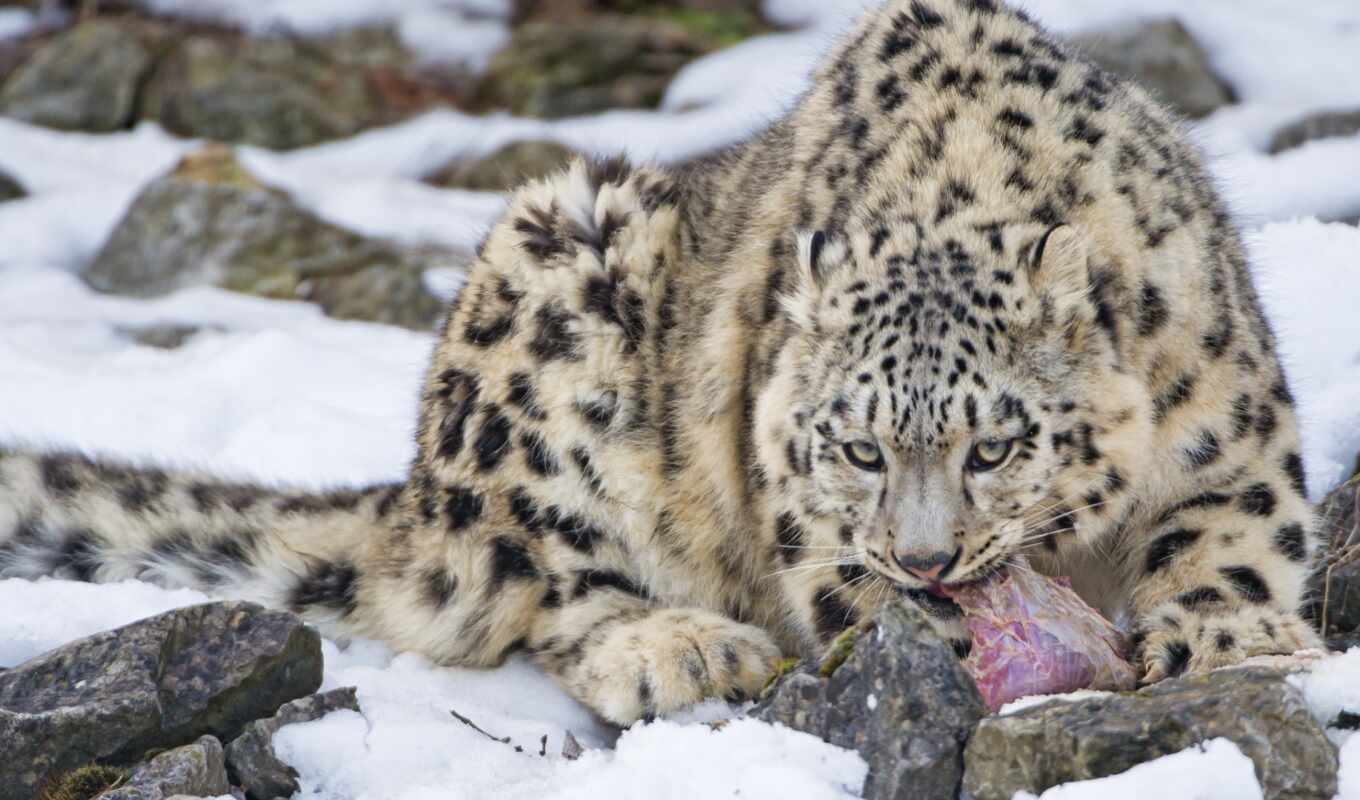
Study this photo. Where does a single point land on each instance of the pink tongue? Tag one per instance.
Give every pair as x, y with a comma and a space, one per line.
1034, 635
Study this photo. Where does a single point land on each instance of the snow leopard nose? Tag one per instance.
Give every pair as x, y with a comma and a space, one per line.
929, 567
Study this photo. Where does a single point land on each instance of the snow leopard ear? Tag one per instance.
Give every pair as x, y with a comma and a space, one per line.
819, 255
1058, 272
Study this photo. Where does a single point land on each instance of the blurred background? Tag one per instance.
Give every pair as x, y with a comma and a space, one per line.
203, 201
228, 228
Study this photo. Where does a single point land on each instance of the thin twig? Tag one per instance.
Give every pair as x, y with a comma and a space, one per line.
477, 727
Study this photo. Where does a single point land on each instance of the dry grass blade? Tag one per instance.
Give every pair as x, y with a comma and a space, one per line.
1347, 553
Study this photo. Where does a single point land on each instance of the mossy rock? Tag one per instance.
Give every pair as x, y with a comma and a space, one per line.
504, 169
560, 69
84, 783
891, 689
120, 696
1163, 57
560, 10
210, 222
10, 189
85, 79
272, 92
720, 28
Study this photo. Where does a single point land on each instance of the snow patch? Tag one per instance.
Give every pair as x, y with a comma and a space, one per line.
16, 22
1030, 701
1308, 274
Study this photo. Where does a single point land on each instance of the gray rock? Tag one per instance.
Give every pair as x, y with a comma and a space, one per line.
210, 222
251, 758
272, 92
1162, 57
1339, 515
166, 336
1322, 125
697, 11
506, 168
197, 770
560, 69
894, 691
1057, 742
85, 79
1336, 585
161, 682
10, 188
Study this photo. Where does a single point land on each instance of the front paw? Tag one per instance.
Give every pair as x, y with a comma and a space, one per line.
672, 659
1173, 640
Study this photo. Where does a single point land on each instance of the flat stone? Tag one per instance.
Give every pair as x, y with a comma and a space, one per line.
504, 169
274, 92
1060, 741
1165, 59
196, 770
85, 79
892, 690
210, 222
164, 336
560, 69
10, 189
251, 759
161, 682
1321, 125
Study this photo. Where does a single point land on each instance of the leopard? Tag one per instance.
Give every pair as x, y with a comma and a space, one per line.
973, 304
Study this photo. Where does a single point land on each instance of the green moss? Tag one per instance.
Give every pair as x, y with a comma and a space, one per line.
838, 652
215, 164
716, 28
780, 670
83, 783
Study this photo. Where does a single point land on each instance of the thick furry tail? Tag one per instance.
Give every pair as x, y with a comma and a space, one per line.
68, 516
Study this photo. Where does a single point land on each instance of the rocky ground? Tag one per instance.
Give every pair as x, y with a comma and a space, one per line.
187, 703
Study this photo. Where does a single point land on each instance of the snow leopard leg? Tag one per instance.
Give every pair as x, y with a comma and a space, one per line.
1223, 575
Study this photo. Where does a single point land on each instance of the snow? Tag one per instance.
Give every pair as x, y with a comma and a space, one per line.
79, 185
1215, 770
269, 390
1330, 687
1348, 777
275, 391
743, 758
1032, 700
16, 22
1309, 276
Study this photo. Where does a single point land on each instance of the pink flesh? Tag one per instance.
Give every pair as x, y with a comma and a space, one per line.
1034, 635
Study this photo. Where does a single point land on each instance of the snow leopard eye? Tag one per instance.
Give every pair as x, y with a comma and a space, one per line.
864, 454
988, 455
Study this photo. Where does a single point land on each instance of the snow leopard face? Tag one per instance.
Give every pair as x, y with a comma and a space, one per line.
942, 414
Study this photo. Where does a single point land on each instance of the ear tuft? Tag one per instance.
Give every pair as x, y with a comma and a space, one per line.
815, 246
1058, 267
818, 257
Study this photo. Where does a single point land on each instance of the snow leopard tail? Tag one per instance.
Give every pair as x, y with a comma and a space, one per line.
68, 516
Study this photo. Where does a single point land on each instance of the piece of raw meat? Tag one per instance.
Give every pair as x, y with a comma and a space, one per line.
1034, 635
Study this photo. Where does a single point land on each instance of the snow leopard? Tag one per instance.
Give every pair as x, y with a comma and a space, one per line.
972, 300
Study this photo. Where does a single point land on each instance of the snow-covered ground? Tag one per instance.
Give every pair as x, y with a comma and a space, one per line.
276, 391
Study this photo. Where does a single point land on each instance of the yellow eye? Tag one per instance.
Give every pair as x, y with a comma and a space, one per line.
989, 454
864, 454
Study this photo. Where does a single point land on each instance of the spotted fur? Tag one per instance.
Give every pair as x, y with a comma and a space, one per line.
681, 421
